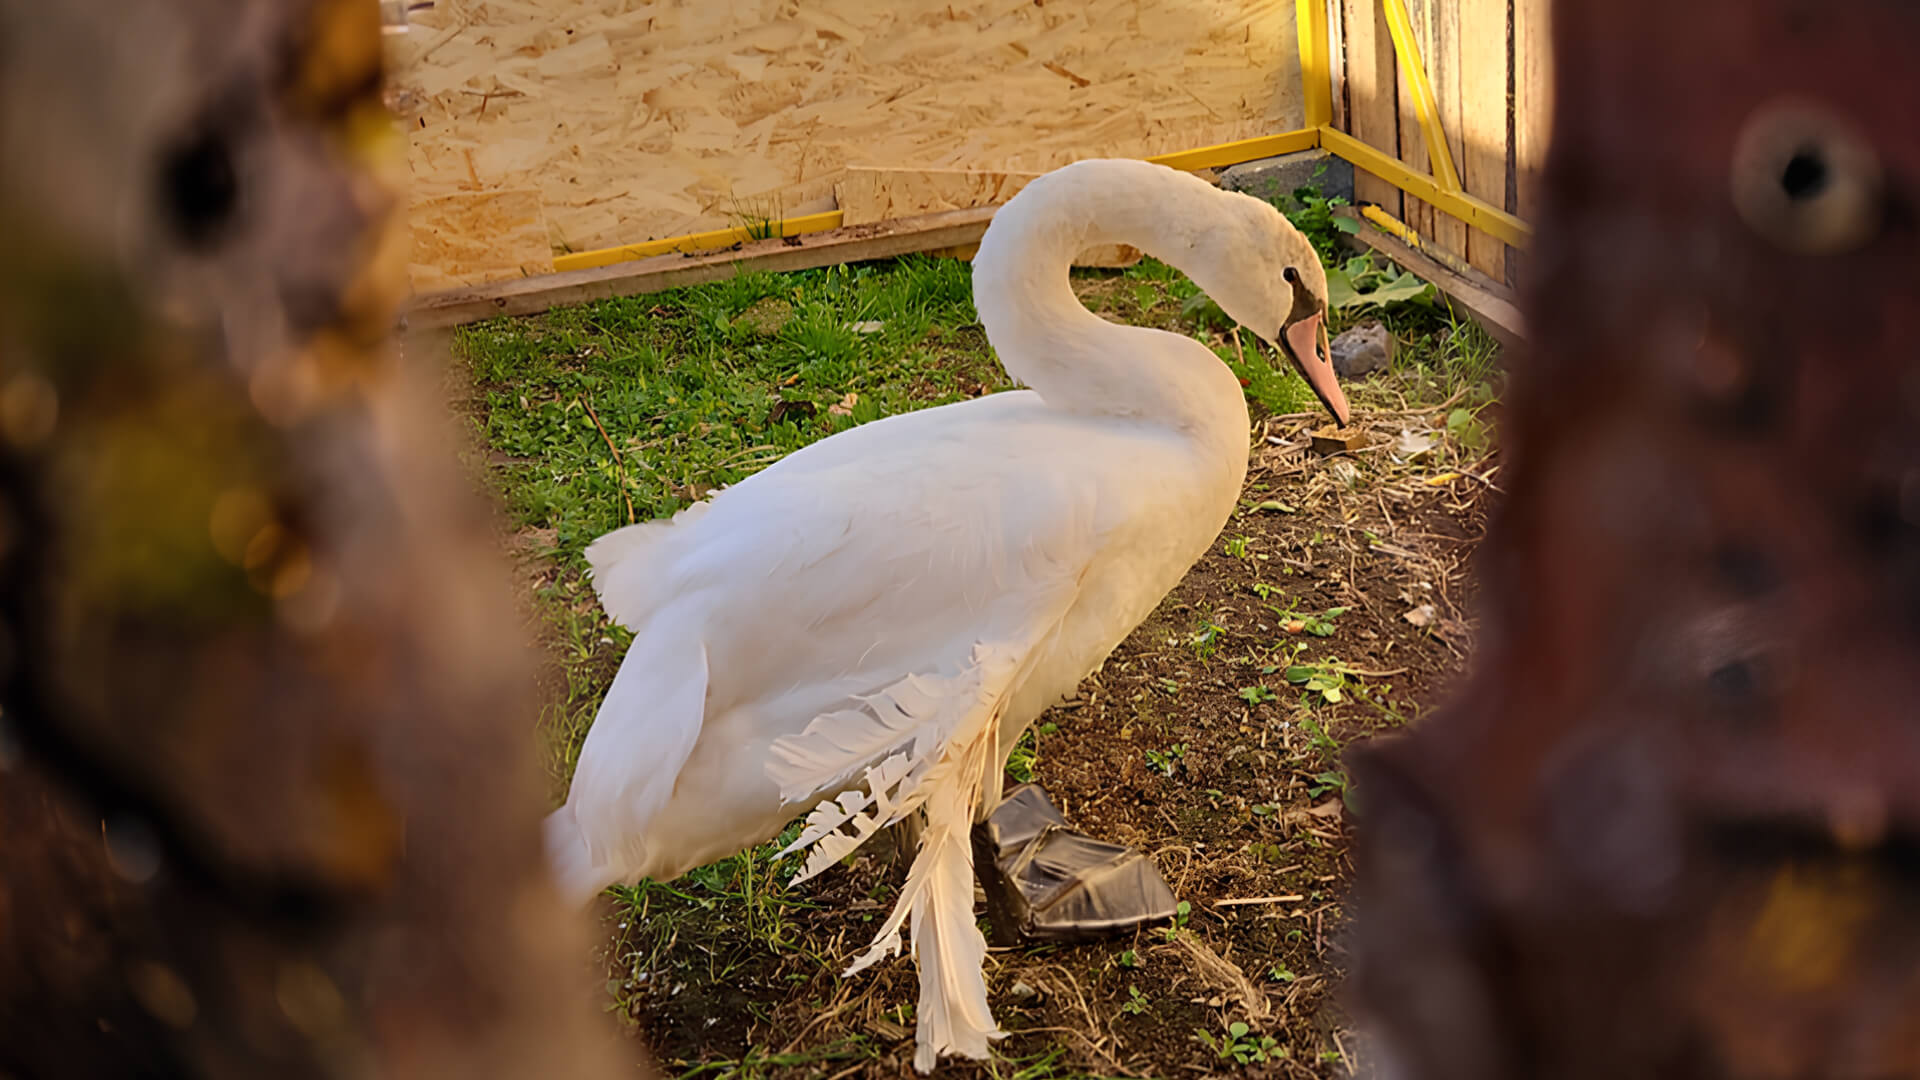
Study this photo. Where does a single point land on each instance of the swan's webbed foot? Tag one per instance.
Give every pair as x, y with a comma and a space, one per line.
1046, 882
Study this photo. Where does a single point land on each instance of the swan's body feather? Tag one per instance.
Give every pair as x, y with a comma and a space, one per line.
808, 587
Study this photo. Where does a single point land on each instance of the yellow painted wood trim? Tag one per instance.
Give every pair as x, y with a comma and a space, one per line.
1316, 61
1407, 48
1206, 157
1399, 230
702, 241
1480, 215
1243, 150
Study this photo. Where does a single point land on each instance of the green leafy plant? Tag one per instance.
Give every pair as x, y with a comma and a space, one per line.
1026, 754
1466, 430
1311, 212
1326, 745
1241, 1045
1320, 625
1136, 1003
1165, 761
1200, 310
1323, 682
1361, 282
1181, 912
1325, 782
1206, 639
1236, 547
1255, 695
1279, 973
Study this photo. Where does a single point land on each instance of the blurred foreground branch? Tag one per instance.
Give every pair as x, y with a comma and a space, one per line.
266, 792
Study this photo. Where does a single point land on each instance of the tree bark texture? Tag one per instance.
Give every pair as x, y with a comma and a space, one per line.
268, 803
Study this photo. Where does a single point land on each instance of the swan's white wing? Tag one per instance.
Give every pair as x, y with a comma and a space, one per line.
624, 555
627, 771
881, 553
846, 586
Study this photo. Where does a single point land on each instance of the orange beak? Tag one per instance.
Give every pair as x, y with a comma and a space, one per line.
1306, 346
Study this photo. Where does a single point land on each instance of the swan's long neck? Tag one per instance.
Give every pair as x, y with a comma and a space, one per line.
1076, 360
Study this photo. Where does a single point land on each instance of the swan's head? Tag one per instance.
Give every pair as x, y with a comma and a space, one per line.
1275, 286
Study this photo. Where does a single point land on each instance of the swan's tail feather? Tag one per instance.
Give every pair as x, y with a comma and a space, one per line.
953, 1015
954, 726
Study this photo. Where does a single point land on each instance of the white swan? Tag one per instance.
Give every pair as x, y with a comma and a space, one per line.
880, 615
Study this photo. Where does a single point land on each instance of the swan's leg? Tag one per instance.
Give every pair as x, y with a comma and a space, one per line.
905, 835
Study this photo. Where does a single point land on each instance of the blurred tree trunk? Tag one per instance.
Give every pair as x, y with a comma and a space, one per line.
267, 797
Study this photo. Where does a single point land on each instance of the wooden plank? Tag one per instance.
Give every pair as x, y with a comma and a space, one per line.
1413, 138
1491, 303
1459, 204
1484, 65
1337, 60
1316, 68
1443, 63
1532, 99
716, 240
1371, 96
529, 296
870, 195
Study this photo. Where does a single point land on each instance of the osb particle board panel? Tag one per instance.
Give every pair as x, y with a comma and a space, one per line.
868, 195
474, 236
640, 120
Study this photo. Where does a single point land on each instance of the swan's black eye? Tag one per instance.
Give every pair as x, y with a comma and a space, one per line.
1806, 180
1292, 276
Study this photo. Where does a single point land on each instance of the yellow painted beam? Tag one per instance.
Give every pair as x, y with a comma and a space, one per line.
1233, 153
1480, 215
1316, 61
703, 241
1407, 48
1399, 230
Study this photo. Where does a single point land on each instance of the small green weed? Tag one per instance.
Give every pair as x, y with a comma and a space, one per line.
1206, 639
1136, 1003
1026, 754
1327, 781
1181, 912
1165, 761
1322, 683
1311, 212
1364, 281
1241, 1045
1320, 625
